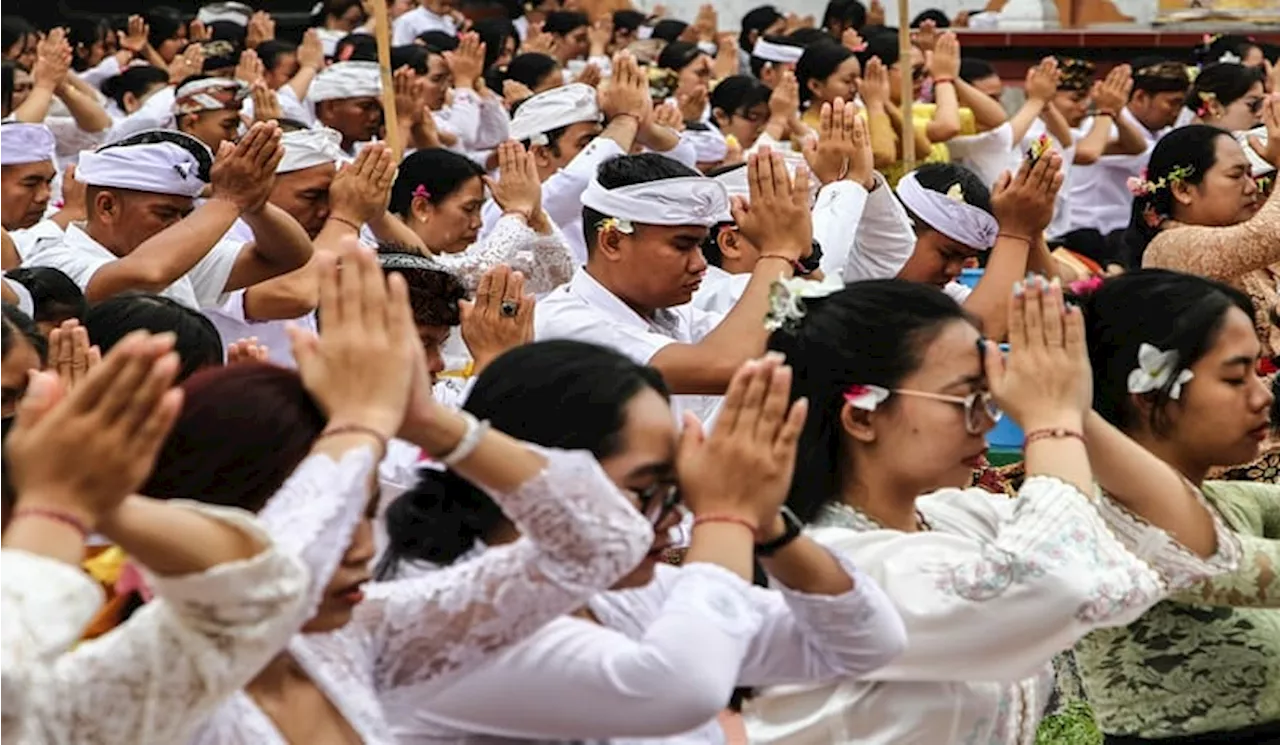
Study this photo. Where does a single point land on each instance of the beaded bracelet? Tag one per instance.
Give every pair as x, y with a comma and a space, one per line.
470, 441
1054, 433
56, 516
346, 222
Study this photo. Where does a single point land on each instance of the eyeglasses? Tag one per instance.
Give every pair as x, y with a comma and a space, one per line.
1255, 106
979, 408
658, 501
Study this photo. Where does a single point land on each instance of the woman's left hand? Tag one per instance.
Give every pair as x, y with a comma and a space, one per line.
518, 189
71, 354
499, 318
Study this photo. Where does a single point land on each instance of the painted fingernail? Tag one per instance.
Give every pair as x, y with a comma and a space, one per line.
1056, 283
1018, 288
775, 355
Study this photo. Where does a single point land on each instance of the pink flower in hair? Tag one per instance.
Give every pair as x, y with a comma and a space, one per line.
421, 191
1082, 287
865, 397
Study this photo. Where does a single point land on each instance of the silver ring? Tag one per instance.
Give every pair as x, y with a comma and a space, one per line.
509, 308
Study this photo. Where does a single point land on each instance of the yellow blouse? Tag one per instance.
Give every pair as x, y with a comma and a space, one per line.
921, 115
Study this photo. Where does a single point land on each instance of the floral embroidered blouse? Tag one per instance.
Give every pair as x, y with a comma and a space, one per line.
1207, 660
989, 595
1245, 256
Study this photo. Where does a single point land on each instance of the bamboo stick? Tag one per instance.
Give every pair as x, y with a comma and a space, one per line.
906, 87
382, 33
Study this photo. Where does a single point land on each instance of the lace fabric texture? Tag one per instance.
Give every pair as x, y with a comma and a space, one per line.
581, 535
152, 679
544, 260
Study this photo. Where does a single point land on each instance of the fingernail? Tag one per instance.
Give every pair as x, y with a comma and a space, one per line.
1030, 276
1018, 288
1056, 283
775, 355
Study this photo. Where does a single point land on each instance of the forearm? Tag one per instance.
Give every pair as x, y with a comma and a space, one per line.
1025, 117
623, 130
88, 114
391, 229
725, 64
1057, 125
172, 540
1091, 146
659, 139
741, 336
45, 537
990, 299
804, 566
1131, 140
1148, 487
35, 109
987, 112
945, 123
1040, 260
1064, 458
301, 83
777, 128
498, 463
728, 545
278, 240
884, 140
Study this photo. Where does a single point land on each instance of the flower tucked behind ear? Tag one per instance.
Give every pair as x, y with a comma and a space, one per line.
622, 226
1155, 369
865, 397
421, 191
787, 296
956, 193
1039, 147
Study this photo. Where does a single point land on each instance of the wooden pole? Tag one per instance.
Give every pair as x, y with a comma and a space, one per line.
382, 33
906, 87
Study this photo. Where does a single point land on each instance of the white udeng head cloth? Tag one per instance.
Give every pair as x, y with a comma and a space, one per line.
783, 53
23, 144
949, 215
158, 168
692, 200
307, 148
553, 109
347, 80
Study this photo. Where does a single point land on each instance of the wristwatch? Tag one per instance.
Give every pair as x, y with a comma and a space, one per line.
792, 530
810, 264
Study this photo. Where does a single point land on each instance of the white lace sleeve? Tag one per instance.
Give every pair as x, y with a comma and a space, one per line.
1178, 567
44, 607
315, 513
580, 535
155, 677
545, 260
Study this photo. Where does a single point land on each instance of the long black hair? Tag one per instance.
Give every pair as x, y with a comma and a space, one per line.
1171, 311
873, 333
560, 394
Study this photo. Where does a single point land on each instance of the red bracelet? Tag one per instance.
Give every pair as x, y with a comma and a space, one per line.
346, 222
1053, 433
731, 519
354, 429
944, 79
56, 516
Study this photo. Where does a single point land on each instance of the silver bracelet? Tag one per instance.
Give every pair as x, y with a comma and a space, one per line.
470, 440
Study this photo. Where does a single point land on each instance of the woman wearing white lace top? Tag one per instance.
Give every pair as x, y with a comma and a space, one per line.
227, 599
439, 195
990, 588
359, 642
662, 654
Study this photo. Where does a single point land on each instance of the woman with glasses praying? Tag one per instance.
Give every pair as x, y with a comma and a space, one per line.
659, 654
902, 389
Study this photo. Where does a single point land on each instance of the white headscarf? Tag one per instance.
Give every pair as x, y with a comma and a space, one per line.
308, 148
553, 109
347, 80
949, 214
158, 168
22, 144
692, 200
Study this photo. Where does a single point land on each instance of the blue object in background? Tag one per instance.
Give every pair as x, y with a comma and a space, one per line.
1006, 435
969, 277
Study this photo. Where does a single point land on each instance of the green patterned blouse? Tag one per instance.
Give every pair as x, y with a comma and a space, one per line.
1209, 659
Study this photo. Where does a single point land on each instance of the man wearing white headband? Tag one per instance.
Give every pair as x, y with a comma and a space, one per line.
956, 219
141, 233
773, 55
645, 217
562, 128
26, 173
208, 109
346, 96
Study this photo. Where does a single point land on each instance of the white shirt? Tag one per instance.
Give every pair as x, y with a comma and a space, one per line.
586, 311
27, 239
1100, 197
629, 678
1060, 225
989, 595
411, 25
151, 680
988, 153
720, 290
80, 257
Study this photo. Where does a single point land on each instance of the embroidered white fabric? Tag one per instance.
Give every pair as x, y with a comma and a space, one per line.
581, 535
152, 679
544, 260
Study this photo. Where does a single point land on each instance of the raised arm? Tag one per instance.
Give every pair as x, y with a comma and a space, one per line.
944, 65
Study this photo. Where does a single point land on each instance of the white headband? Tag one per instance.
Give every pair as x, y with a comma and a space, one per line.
692, 200
708, 144
949, 214
237, 13
158, 168
784, 53
553, 109
308, 148
23, 144
347, 80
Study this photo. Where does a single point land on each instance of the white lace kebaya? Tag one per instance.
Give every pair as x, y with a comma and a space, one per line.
545, 260
990, 593
581, 535
152, 679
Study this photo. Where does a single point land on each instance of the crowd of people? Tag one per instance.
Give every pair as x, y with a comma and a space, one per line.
632, 382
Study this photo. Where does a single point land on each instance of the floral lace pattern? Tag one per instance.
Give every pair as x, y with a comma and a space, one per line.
545, 260
154, 678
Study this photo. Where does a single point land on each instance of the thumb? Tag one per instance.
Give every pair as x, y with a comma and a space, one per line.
691, 435
993, 364
302, 343
1257, 145
738, 208
465, 310
44, 390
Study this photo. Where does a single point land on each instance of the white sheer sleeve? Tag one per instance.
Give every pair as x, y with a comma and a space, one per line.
836, 215
316, 512
545, 260
580, 535
1045, 568
155, 677
495, 123
885, 239
44, 607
